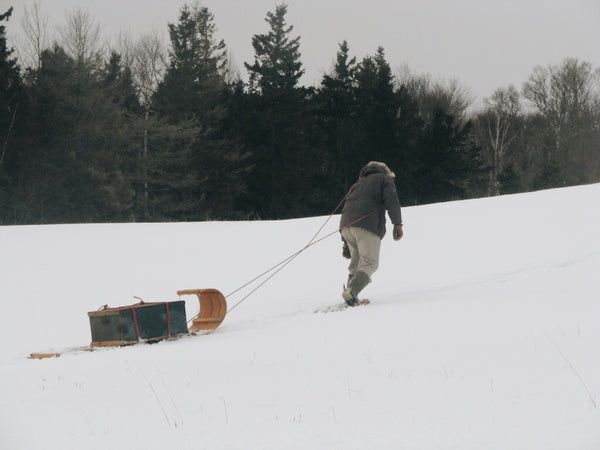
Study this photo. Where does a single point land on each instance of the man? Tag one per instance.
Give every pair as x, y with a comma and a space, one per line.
363, 224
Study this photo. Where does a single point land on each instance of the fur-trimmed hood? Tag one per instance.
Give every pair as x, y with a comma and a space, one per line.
376, 166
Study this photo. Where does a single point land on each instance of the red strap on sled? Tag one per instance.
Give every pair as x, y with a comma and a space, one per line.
135, 321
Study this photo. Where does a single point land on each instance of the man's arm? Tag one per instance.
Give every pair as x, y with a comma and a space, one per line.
391, 202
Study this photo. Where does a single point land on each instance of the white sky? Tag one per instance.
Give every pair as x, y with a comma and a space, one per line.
485, 44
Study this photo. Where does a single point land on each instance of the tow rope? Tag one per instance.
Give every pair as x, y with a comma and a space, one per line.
279, 266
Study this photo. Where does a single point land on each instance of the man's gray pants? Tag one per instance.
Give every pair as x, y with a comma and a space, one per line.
364, 250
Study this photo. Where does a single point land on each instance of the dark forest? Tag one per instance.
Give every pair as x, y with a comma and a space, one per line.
148, 131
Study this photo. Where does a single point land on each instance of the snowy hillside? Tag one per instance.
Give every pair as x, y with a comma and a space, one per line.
483, 333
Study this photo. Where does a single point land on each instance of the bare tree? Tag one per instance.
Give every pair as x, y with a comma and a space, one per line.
125, 46
450, 96
499, 122
81, 36
231, 73
35, 28
149, 63
567, 98
149, 66
563, 94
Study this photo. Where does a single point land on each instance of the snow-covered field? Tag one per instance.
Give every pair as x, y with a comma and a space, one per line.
483, 333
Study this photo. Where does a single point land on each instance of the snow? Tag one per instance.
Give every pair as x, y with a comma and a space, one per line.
482, 333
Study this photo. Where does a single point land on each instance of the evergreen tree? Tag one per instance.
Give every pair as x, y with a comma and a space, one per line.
76, 165
362, 117
376, 107
337, 119
284, 161
10, 100
193, 165
277, 64
450, 163
194, 80
408, 136
118, 82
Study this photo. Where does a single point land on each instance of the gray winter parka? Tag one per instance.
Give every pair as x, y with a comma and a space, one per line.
375, 192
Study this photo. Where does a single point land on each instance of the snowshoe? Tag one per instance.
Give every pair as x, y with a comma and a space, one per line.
349, 297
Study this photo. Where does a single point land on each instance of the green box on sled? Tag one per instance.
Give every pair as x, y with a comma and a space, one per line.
142, 322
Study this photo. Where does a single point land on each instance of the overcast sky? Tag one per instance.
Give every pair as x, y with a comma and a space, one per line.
484, 44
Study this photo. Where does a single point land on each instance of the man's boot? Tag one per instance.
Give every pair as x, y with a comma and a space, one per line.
356, 284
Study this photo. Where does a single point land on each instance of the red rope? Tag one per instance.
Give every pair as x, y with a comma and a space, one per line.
290, 258
135, 318
135, 321
168, 319
331, 215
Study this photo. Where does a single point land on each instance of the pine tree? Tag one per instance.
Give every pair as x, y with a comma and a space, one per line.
193, 166
377, 107
195, 78
277, 64
118, 82
284, 162
337, 116
450, 163
10, 100
76, 164
405, 159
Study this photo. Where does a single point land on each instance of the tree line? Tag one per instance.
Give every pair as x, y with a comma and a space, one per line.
142, 132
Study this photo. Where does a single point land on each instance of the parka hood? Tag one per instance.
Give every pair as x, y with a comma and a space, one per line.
376, 167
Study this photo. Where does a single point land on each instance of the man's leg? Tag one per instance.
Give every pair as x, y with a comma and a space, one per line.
350, 238
364, 249
369, 246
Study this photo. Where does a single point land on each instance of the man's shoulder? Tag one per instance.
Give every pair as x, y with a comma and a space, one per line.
383, 178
